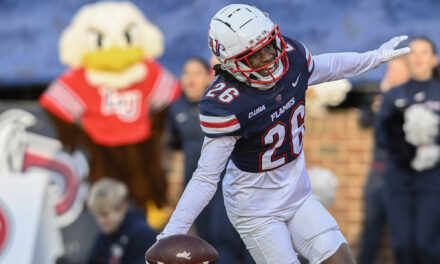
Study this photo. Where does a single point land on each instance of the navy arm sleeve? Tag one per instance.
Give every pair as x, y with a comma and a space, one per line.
216, 120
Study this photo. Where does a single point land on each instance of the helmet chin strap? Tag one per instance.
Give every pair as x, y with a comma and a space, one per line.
267, 86
263, 86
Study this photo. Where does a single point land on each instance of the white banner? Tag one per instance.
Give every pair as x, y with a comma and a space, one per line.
28, 231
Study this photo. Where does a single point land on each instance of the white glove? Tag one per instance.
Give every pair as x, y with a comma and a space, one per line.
421, 125
426, 157
388, 52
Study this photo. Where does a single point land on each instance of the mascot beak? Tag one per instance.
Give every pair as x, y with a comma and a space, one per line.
114, 58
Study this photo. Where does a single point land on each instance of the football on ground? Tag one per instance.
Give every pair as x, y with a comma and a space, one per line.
181, 249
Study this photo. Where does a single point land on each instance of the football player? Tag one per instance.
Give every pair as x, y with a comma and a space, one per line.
253, 119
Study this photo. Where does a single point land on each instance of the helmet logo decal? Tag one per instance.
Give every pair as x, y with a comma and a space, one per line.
215, 46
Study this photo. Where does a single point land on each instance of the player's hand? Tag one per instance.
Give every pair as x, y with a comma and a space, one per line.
388, 50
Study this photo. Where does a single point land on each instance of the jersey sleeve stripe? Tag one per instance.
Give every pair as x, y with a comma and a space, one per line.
66, 100
74, 95
165, 90
52, 104
310, 63
309, 58
217, 119
220, 130
219, 124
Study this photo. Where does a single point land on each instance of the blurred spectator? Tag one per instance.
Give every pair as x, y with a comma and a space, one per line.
396, 74
186, 134
183, 117
412, 182
124, 233
374, 209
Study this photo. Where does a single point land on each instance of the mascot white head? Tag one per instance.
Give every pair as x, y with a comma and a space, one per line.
110, 40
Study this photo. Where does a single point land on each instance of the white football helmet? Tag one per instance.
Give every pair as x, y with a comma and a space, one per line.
236, 32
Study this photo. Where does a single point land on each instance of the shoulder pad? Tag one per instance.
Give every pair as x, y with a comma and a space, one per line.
295, 45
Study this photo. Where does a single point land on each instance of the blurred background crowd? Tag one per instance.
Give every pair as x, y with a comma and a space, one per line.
101, 98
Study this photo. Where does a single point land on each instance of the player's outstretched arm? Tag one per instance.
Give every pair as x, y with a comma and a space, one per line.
388, 50
202, 186
336, 66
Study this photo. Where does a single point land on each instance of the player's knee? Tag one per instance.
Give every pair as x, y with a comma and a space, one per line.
342, 255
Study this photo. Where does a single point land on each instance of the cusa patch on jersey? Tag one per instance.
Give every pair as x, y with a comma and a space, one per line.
4, 228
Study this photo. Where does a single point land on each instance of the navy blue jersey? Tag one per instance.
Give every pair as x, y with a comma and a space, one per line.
389, 122
270, 123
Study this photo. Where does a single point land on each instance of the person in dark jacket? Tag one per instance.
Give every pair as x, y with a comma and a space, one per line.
124, 232
407, 127
374, 221
186, 134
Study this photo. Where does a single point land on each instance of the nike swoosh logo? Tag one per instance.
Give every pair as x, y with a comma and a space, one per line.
296, 82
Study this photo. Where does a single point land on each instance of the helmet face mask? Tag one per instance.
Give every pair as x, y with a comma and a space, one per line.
239, 35
267, 73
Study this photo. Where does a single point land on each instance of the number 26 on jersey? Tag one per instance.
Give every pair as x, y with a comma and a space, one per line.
225, 96
276, 137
